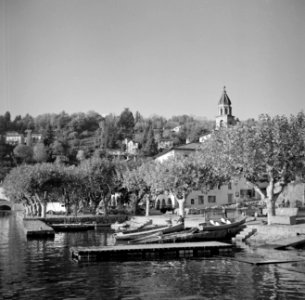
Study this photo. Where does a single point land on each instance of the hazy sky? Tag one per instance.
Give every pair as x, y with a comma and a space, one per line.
164, 57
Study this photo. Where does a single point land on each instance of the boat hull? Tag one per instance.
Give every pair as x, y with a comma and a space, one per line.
136, 235
217, 233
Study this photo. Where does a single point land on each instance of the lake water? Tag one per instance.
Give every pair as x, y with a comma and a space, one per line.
42, 269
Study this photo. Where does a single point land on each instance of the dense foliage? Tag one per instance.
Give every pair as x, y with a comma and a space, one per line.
67, 137
269, 149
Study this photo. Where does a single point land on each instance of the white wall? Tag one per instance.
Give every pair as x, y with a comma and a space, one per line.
221, 194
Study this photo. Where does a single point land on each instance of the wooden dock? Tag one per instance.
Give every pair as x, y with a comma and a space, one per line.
290, 242
150, 251
37, 228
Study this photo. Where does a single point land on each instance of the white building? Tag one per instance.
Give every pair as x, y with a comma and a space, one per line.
131, 147
14, 138
183, 150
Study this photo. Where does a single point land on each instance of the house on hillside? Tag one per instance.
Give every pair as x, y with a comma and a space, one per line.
183, 150
165, 144
132, 148
205, 137
14, 138
176, 129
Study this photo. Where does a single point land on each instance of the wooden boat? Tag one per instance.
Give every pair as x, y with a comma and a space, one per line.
157, 229
206, 232
130, 226
221, 224
159, 237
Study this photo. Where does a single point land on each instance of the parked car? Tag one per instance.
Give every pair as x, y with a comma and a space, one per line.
56, 208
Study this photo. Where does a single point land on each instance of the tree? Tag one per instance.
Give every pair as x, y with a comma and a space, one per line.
36, 185
40, 153
134, 182
16, 187
179, 176
23, 152
101, 180
48, 135
126, 124
150, 147
271, 149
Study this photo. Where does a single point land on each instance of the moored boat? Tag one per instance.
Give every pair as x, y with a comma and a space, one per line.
148, 231
130, 226
205, 232
221, 224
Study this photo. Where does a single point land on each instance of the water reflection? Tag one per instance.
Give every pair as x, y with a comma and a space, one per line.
42, 269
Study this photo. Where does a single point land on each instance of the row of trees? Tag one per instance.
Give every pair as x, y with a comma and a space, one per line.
269, 149
88, 185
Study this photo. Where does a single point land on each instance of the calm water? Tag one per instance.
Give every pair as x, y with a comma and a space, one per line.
42, 269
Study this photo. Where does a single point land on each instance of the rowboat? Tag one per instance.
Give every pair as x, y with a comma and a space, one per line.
130, 226
148, 231
205, 232
221, 224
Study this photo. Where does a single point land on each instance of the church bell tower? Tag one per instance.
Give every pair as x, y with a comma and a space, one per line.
225, 117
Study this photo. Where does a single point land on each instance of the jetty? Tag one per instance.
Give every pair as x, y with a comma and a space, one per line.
150, 251
37, 228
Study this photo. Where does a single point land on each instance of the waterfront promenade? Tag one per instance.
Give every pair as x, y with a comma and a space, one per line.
265, 234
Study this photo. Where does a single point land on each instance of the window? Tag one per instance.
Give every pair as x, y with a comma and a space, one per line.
212, 199
192, 201
200, 199
219, 186
246, 193
230, 198
230, 185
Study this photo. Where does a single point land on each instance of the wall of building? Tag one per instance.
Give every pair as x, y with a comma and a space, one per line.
236, 192
294, 194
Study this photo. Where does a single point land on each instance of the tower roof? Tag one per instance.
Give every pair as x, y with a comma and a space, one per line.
224, 99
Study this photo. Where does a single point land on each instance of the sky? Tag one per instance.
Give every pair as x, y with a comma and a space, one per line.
157, 57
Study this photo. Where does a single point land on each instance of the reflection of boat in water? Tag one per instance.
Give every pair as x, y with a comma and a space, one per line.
72, 227
148, 230
205, 232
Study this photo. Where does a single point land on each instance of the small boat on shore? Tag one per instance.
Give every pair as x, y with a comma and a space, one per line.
205, 232
148, 230
221, 224
130, 226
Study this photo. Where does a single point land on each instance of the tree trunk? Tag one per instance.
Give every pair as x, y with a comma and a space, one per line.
273, 191
147, 206
43, 209
181, 202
